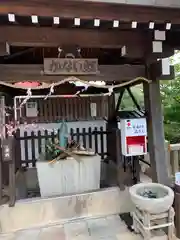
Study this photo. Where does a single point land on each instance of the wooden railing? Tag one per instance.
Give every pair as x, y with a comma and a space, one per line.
30, 144
174, 158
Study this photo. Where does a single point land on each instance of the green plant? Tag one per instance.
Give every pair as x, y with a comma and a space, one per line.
170, 93
51, 151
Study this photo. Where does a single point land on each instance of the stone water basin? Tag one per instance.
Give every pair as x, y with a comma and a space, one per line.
152, 197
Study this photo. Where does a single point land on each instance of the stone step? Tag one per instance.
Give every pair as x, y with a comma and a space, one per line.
104, 228
38, 212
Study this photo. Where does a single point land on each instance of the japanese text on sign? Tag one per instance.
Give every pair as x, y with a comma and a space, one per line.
136, 127
67, 66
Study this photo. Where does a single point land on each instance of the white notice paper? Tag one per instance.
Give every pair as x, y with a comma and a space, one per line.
31, 109
159, 35
93, 109
165, 66
157, 47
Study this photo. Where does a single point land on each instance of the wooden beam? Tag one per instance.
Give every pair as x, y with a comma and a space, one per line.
167, 48
173, 39
45, 36
108, 73
136, 42
156, 70
89, 10
168, 51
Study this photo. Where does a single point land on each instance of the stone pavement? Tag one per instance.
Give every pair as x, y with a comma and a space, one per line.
107, 228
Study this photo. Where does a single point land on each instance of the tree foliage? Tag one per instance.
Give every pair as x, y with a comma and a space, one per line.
127, 103
170, 92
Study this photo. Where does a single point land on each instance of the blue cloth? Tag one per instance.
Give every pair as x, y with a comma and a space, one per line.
63, 134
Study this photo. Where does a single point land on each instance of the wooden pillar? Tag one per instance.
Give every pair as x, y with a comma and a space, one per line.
156, 140
111, 129
8, 156
111, 106
1, 177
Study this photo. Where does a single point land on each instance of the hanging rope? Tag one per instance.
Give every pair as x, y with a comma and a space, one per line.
50, 92
74, 79
29, 94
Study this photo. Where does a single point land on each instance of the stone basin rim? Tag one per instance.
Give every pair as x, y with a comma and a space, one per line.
133, 190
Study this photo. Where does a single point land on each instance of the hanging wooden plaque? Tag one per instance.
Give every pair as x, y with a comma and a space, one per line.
70, 66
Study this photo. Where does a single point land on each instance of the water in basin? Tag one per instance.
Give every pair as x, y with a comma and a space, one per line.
152, 192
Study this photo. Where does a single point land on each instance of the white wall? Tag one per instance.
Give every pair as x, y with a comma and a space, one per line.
51, 126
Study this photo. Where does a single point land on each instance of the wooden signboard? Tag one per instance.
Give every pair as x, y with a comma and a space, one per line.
70, 66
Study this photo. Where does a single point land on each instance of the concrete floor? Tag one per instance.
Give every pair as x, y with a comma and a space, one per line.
107, 228
104, 228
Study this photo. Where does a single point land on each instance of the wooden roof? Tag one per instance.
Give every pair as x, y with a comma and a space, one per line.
90, 10
152, 3
44, 34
